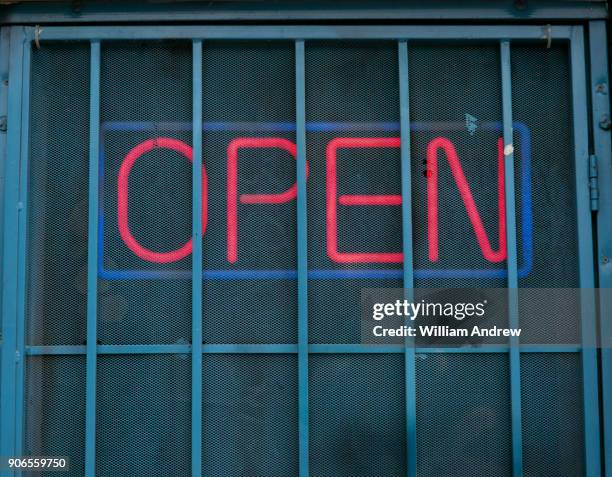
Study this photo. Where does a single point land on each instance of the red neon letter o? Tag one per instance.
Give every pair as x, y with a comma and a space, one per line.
122, 200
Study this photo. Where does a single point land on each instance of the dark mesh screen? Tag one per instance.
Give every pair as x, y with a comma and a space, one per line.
55, 410
551, 400
59, 151
145, 92
448, 87
143, 415
357, 415
352, 91
546, 111
463, 415
250, 415
249, 95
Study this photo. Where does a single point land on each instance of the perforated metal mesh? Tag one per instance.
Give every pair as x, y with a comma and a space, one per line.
249, 93
55, 410
355, 83
250, 415
357, 415
143, 415
145, 94
541, 92
446, 84
357, 401
58, 165
463, 415
551, 402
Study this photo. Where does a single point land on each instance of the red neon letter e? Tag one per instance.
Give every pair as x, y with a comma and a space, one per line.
355, 200
123, 203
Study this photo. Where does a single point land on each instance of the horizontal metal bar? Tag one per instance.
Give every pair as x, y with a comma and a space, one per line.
355, 348
55, 350
250, 348
367, 348
110, 349
124, 12
144, 349
361, 32
276, 348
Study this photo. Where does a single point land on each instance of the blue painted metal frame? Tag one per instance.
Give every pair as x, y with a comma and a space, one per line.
310, 32
92, 261
513, 306
408, 265
585, 255
4, 71
279, 348
196, 290
15, 221
368, 10
302, 257
22, 251
12, 211
602, 147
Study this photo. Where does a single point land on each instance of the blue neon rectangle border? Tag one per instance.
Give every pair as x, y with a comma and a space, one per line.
317, 274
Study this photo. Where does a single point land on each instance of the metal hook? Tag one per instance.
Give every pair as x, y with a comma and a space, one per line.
548, 35
37, 32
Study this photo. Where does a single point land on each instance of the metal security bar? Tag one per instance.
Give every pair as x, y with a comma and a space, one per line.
21, 252
11, 243
407, 241
302, 257
585, 259
511, 234
14, 347
361, 32
196, 290
600, 100
92, 261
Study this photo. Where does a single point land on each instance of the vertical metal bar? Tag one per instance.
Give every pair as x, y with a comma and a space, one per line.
22, 252
602, 145
408, 276
585, 255
92, 261
302, 256
10, 354
196, 268
4, 72
513, 309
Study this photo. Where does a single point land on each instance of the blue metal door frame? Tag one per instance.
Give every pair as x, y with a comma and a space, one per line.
14, 349
134, 11
599, 89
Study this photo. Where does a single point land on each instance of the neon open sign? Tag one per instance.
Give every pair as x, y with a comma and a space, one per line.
440, 152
